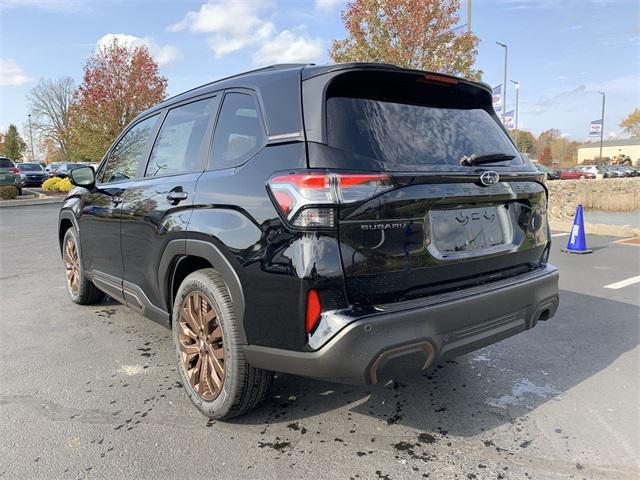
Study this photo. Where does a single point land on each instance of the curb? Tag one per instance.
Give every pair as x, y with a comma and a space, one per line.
38, 200
622, 231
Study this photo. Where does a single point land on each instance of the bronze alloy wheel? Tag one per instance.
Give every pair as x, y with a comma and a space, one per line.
72, 265
201, 346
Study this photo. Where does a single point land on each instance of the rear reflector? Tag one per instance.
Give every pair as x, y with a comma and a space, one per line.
308, 199
313, 310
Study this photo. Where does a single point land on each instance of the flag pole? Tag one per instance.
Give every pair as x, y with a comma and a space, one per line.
602, 124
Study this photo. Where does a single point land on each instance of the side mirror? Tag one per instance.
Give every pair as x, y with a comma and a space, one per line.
83, 177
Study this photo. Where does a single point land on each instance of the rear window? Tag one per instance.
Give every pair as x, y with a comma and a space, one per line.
5, 163
410, 125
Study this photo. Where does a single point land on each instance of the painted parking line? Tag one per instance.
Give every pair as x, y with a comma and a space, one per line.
623, 283
560, 234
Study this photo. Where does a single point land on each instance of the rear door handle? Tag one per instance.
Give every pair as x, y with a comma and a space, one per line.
176, 197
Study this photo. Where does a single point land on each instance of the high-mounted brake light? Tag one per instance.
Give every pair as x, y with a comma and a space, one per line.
430, 77
308, 199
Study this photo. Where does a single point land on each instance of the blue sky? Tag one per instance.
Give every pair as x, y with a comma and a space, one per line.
561, 51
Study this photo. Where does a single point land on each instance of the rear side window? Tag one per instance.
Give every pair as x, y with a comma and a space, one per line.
179, 143
239, 133
410, 127
126, 156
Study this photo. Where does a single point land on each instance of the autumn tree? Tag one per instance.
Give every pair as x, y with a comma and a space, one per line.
13, 146
631, 124
119, 82
525, 141
419, 34
545, 156
50, 104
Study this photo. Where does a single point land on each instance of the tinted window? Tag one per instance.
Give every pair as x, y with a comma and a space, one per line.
30, 167
177, 148
402, 136
5, 163
239, 133
128, 153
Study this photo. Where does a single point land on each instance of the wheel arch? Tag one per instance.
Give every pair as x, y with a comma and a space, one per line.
66, 220
182, 257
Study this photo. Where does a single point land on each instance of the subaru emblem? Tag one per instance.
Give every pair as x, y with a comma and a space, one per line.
489, 178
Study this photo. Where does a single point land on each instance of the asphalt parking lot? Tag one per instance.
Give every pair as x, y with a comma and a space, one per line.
92, 392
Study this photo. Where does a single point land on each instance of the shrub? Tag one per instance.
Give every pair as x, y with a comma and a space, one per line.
51, 183
64, 185
7, 192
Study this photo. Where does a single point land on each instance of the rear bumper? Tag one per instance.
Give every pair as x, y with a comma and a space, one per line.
411, 336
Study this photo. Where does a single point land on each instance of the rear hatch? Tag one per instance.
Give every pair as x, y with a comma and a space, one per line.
433, 225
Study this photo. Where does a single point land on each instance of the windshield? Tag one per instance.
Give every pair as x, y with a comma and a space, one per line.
30, 167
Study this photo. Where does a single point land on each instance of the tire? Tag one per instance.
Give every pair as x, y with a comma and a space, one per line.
242, 386
80, 289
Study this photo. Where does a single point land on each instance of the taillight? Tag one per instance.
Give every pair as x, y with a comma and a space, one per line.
313, 310
14, 170
309, 199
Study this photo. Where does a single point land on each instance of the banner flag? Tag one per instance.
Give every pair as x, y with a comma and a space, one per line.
497, 98
508, 120
595, 128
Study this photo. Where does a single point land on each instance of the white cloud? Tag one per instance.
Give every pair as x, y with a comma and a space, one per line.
327, 5
232, 25
12, 74
163, 54
286, 47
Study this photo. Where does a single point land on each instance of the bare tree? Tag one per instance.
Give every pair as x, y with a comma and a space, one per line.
49, 104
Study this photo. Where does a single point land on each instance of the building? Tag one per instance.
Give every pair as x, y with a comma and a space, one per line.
611, 148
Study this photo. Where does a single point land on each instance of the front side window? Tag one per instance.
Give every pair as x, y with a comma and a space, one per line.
126, 156
177, 149
239, 133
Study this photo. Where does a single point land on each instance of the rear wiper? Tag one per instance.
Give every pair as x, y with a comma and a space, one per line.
476, 159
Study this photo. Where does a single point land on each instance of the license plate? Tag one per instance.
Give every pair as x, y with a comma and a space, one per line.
465, 231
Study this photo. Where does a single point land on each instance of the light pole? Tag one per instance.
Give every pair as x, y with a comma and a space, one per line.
468, 16
33, 157
517, 84
504, 83
602, 124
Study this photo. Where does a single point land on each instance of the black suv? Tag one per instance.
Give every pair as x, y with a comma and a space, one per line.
351, 222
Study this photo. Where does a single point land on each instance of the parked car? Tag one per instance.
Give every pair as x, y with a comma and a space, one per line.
325, 233
51, 168
550, 172
608, 172
9, 174
62, 169
596, 170
575, 174
628, 171
32, 174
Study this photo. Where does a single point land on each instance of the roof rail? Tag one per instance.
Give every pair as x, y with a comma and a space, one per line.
277, 66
